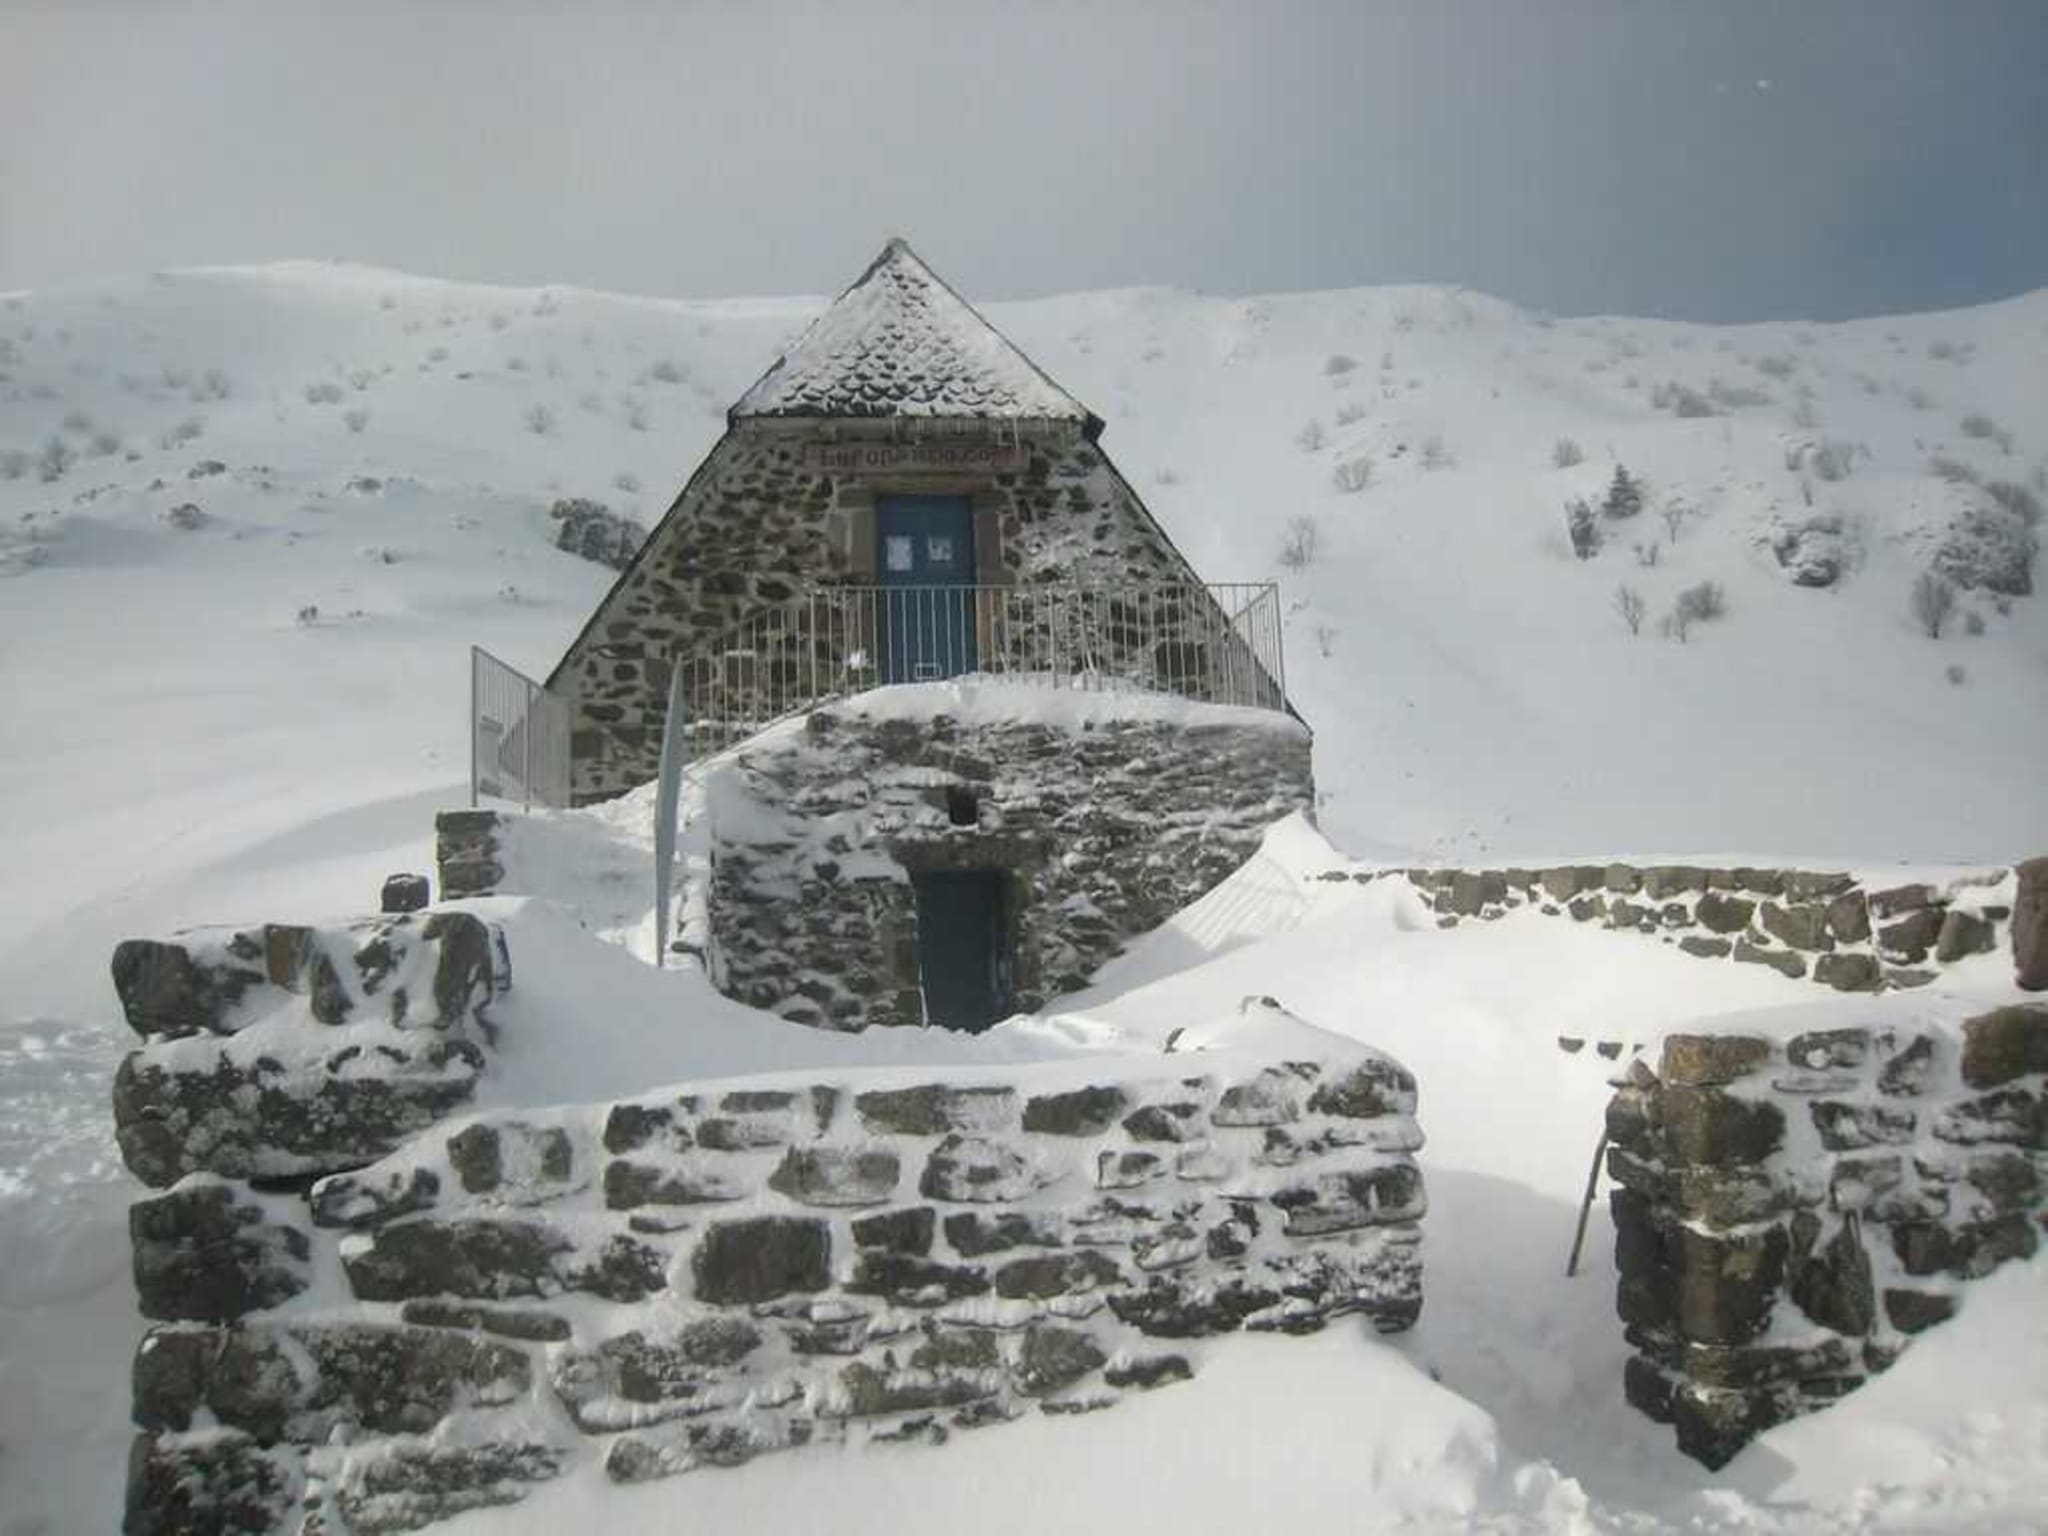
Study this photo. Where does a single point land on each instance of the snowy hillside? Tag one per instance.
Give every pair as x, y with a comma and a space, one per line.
251, 519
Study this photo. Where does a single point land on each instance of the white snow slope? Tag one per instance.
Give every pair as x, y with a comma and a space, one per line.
255, 717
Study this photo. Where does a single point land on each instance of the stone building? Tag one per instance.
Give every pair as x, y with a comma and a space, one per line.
904, 502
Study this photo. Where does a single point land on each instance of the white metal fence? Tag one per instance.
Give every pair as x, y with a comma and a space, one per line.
518, 736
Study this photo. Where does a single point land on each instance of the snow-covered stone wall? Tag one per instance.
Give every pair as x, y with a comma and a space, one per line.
375, 1335
1106, 813
1791, 1211
763, 518
1825, 926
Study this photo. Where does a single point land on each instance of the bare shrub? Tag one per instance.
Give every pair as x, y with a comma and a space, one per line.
190, 430
1301, 543
1973, 622
1564, 453
1919, 399
355, 418
1351, 411
636, 412
1977, 424
214, 384
1956, 673
627, 482
1339, 363
1932, 602
1310, 438
13, 464
540, 421
1681, 400
1353, 475
1436, 454
1777, 367
666, 371
1954, 471
326, 392
1629, 604
104, 445
1650, 555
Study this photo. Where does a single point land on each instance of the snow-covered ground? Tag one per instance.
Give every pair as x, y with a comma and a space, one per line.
254, 717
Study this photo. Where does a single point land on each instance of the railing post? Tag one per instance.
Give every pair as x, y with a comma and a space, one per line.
667, 787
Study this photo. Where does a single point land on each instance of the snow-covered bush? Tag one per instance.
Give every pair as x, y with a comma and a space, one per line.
1351, 411
636, 412
1564, 453
1583, 527
1705, 600
1812, 552
1834, 459
325, 392
1955, 471
1681, 400
1301, 543
1987, 546
540, 421
55, 458
2016, 499
13, 464
1353, 475
1339, 363
190, 430
355, 418
77, 423
1735, 397
1932, 601
627, 482
1310, 438
1978, 425
666, 371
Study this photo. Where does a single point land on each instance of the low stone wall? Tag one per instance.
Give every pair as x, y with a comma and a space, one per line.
1791, 1212
369, 1316
1823, 926
1103, 829
283, 1051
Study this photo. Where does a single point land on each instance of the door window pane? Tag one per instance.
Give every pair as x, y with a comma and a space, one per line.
939, 549
899, 551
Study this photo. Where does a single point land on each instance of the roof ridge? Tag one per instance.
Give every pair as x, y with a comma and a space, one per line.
902, 341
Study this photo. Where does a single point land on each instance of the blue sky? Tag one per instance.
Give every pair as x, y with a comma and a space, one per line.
1712, 159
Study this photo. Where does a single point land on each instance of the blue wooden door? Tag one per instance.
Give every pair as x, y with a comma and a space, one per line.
962, 949
924, 558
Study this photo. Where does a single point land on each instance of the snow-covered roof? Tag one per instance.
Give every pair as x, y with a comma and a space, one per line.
899, 342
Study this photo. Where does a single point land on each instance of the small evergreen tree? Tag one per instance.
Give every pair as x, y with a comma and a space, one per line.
1624, 494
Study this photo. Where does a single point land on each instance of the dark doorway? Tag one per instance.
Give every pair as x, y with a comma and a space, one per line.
963, 953
924, 555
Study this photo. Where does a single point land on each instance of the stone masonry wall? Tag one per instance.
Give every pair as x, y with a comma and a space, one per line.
1822, 926
1104, 832
1791, 1212
696, 1276
756, 525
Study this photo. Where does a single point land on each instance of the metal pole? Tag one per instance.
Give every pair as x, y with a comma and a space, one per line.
1571, 1266
665, 795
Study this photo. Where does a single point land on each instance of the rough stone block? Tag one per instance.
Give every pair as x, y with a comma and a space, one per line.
2004, 1044
759, 1259
1912, 937
1371, 1088
837, 1176
1711, 1126
908, 1231
1164, 1122
1083, 1112
1041, 1276
211, 1482
933, 1109
972, 1233
979, 1170
1783, 961
1354, 1197
1846, 1125
909, 1280
1706, 1060
404, 893
2029, 930
1963, 934
1271, 1098
200, 1254
1820, 1049
1724, 914
629, 1185
413, 1485
1052, 1358
1728, 1282
1848, 973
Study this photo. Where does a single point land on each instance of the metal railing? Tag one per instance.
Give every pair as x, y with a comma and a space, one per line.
1219, 643
518, 736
